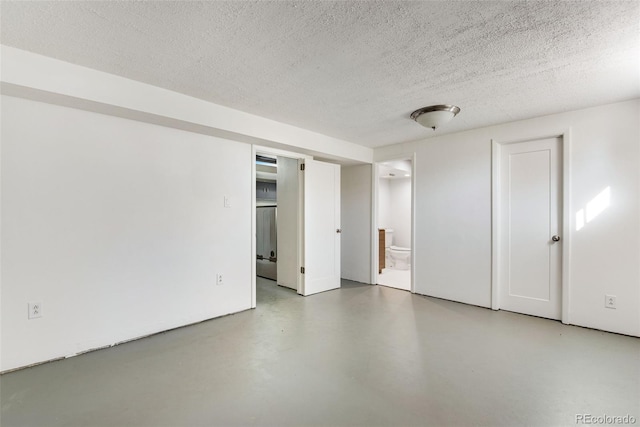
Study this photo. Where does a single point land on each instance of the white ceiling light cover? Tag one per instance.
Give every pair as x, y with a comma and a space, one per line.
435, 116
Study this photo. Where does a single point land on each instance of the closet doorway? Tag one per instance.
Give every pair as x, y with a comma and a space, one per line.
277, 216
295, 223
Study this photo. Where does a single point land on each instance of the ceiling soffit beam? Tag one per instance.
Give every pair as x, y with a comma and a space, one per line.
40, 78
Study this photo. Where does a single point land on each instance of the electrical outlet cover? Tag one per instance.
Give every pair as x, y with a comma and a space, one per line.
610, 301
35, 310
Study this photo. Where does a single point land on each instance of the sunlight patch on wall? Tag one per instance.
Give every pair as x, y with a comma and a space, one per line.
594, 208
579, 219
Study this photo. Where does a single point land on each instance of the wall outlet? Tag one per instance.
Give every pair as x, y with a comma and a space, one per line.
610, 301
35, 310
219, 279
227, 201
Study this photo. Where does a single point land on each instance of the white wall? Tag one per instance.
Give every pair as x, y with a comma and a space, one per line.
384, 203
355, 205
453, 208
118, 228
127, 173
400, 211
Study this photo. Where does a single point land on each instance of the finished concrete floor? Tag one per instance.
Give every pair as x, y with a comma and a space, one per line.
360, 355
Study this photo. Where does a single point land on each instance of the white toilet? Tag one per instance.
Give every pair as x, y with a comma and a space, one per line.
395, 256
401, 257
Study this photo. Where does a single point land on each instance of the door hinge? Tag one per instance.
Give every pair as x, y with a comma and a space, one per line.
302, 166
302, 270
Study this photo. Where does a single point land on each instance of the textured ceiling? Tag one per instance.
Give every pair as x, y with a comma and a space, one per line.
353, 70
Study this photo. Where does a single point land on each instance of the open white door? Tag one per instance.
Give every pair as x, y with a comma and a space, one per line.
288, 195
321, 227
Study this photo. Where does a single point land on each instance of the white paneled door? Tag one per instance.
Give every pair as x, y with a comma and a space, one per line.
321, 227
530, 238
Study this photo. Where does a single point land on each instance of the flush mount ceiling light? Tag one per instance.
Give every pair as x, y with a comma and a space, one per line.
435, 116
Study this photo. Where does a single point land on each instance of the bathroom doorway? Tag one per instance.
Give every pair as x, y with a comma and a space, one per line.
393, 235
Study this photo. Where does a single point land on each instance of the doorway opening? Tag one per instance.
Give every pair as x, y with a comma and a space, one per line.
266, 211
296, 231
394, 223
277, 228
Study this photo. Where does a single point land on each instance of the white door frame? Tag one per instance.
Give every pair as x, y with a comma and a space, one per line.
374, 216
565, 140
256, 149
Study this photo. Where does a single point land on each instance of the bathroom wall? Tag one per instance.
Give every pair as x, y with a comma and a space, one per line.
400, 210
384, 203
394, 208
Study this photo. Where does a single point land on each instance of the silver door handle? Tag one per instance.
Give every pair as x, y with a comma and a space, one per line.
339, 230
556, 238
